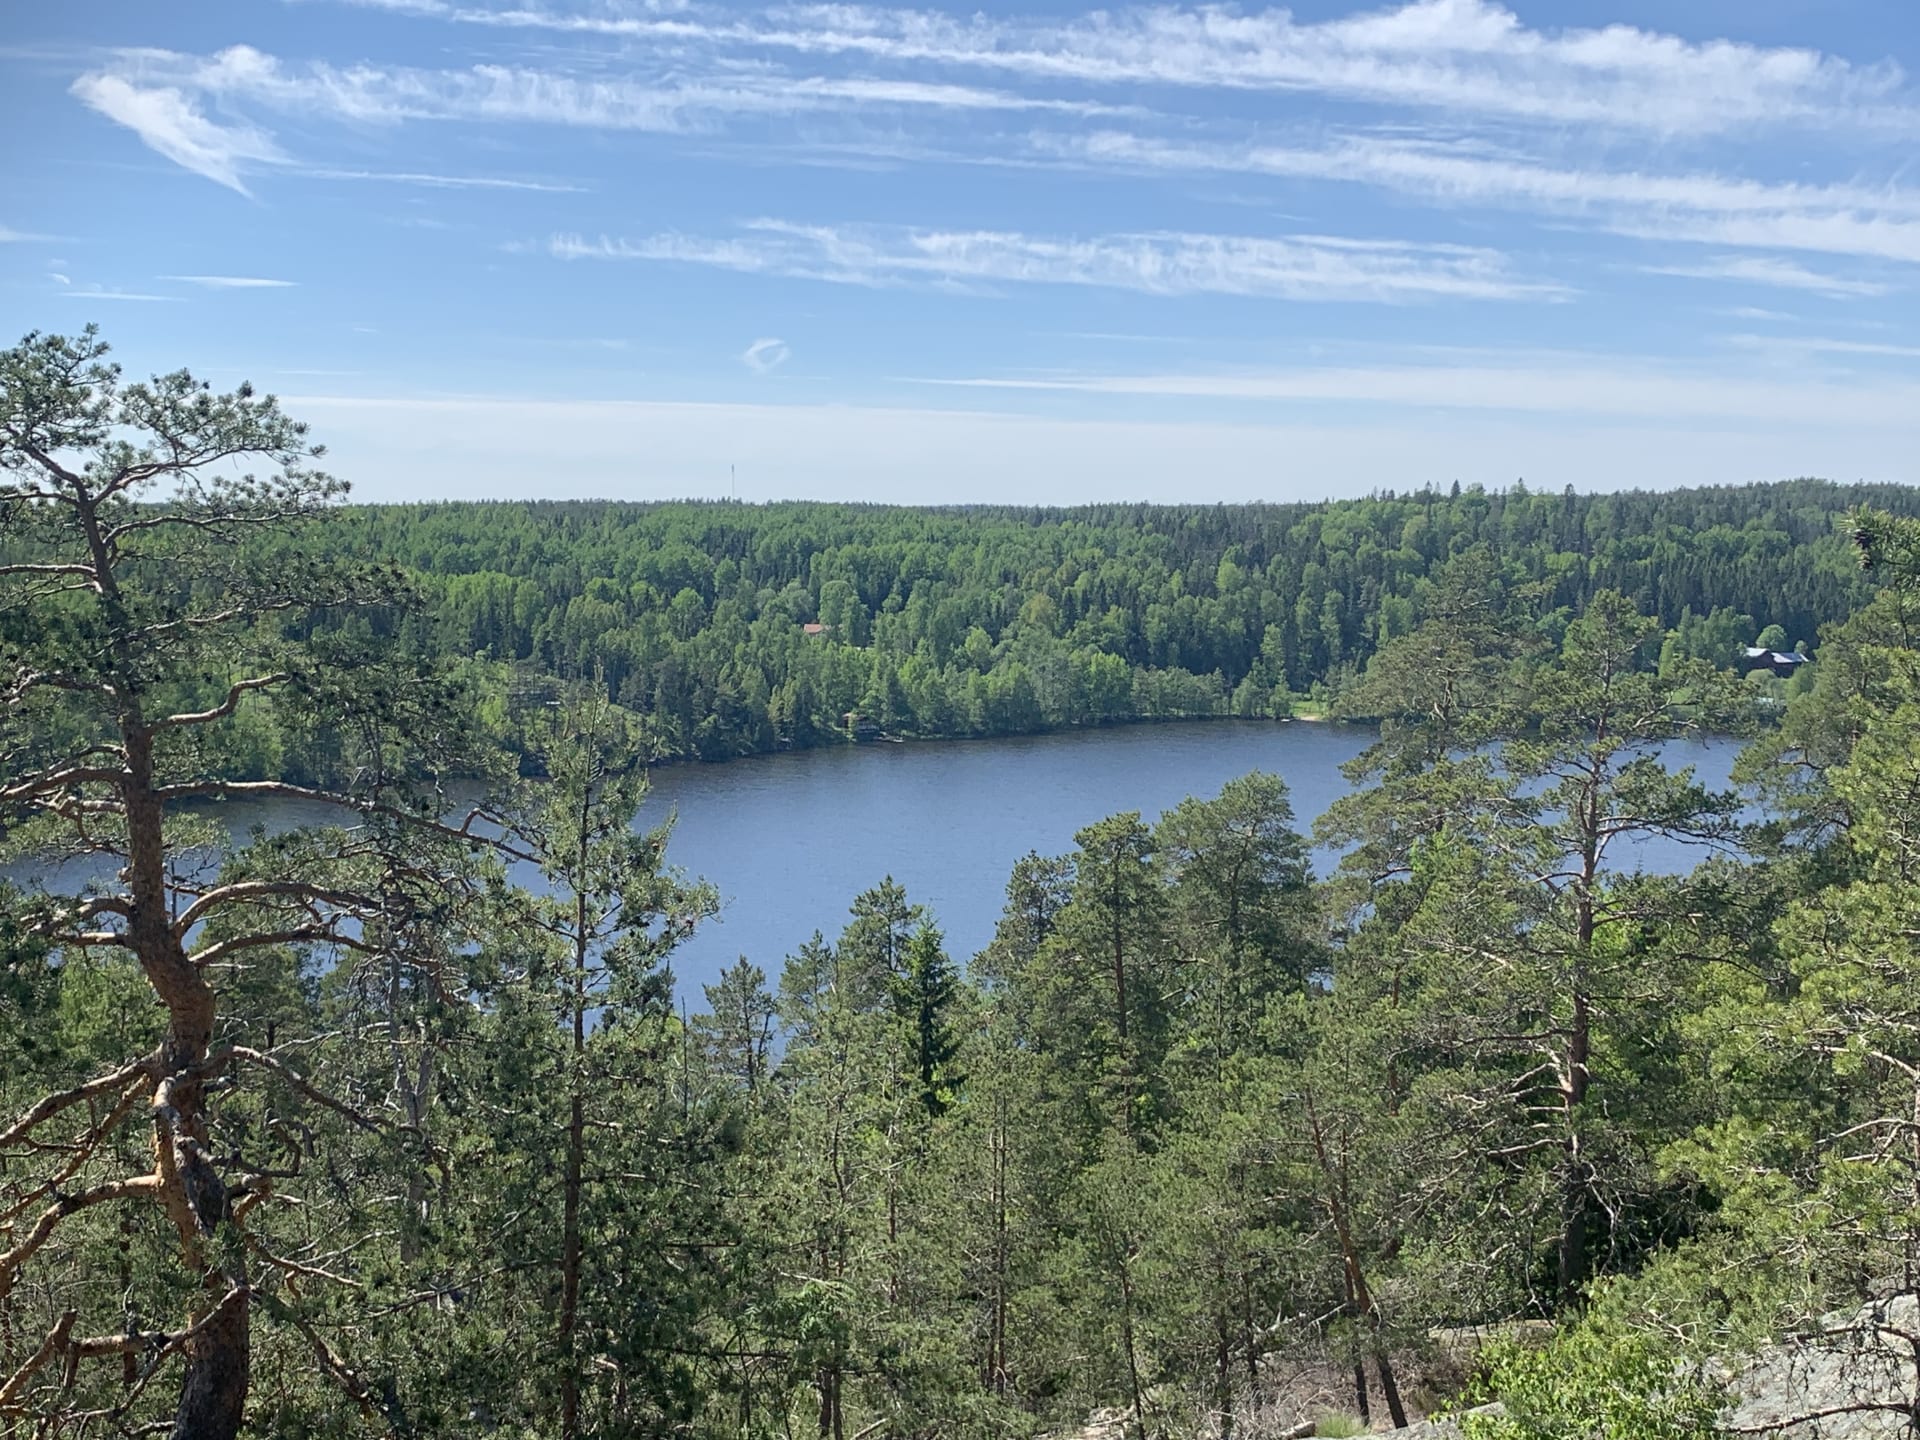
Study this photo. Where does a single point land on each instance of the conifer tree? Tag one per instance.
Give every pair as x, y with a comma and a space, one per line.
147, 620
1489, 905
925, 997
737, 1030
587, 969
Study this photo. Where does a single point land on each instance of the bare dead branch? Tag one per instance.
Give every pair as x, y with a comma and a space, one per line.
53, 1104
225, 707
245, 890
63, 1207
79, 1151
303, 935
54, 1344
71, 568
304, 1086
338, 1370
52, 780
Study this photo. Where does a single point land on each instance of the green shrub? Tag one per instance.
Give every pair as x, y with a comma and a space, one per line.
1601, 1380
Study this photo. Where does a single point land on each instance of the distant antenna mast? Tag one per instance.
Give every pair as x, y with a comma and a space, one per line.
733, 488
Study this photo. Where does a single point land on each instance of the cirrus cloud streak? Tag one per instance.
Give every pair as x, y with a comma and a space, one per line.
1298, 267
1466, 56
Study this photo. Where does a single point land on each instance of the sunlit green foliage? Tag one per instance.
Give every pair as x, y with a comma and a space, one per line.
1200, 1134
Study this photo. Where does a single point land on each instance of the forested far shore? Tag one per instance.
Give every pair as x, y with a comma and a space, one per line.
393, 1128
738, 629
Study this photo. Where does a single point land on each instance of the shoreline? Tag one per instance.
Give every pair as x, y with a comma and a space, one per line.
845, 742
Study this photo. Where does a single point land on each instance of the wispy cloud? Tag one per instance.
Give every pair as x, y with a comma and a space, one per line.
1643, 388
1823, 345
437, 8
1845, 219
232, 282
442, 182
97, 292
1461, 74
1470, 170
10, 236
1763, 270
1465, 56
160, 94
501, 94
766, 354
170, 122
1299, 267
1589, 158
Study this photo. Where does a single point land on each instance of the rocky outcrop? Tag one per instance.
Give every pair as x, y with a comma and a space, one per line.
1857, 1379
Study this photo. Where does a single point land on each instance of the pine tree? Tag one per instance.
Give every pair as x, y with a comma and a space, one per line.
737, 1030
588, 974
1487, 907
158, 597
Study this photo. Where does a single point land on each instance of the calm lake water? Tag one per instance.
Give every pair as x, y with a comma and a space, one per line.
789, 840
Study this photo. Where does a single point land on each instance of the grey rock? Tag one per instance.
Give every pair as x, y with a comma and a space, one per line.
1447, 1427
1857, 1379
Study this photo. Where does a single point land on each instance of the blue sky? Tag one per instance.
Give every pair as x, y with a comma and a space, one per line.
1016, 252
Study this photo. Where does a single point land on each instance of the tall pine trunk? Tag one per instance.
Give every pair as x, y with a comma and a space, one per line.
576, 1164
1576, 1178
1359, 1297
1133, 1356
213, 1388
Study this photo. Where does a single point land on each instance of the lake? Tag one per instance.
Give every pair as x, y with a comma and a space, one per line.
791, 839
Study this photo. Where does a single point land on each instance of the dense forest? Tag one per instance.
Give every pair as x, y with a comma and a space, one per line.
734, 629
344, 1133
